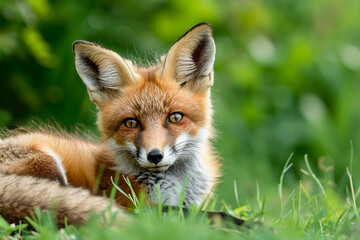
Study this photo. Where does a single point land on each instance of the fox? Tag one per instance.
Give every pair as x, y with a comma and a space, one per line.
156, 125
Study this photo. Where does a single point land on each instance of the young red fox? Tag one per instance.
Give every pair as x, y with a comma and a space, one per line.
156, 126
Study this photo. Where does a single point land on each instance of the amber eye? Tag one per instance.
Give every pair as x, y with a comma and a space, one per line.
131, 123
175, 117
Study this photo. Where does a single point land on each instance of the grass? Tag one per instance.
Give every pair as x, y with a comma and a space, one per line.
311, 209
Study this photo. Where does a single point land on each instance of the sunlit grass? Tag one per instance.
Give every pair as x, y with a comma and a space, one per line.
311, 209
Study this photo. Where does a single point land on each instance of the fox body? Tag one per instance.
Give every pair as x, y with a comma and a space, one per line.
156, 125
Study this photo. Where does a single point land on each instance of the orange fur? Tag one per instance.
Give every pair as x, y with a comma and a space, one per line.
77, 155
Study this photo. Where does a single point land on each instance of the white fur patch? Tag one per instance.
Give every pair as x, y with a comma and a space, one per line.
58, 162
186, 66
169, 157
203, 135
128, 145
196, 147
143, 157
110, 77
182, 138
124, 163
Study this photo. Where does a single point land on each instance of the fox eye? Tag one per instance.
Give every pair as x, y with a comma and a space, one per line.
131, 123
175, 117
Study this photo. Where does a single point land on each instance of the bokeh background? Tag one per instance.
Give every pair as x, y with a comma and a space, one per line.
287, 76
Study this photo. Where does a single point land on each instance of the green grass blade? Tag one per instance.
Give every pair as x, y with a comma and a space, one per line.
287, 166
313, 175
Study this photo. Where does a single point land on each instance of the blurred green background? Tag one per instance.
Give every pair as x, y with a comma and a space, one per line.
287, 76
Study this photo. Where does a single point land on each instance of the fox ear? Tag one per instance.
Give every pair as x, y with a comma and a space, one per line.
104, 72
190, 60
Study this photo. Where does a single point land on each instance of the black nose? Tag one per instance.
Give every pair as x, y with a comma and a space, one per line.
155, 156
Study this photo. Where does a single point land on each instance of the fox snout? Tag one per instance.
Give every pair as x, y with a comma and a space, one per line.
155, 156
156, 160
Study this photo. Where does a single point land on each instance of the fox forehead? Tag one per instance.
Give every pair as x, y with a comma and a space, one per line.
152, 96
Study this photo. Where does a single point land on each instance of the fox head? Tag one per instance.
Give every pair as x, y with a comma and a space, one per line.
153, 117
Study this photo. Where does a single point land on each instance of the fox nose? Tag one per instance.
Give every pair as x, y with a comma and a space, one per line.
155, 156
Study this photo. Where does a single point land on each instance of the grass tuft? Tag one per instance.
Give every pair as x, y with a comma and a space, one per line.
311, 209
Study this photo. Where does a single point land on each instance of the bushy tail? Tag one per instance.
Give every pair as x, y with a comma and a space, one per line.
20, 194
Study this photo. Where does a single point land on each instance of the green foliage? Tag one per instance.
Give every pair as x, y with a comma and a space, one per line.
7, 229
286, 78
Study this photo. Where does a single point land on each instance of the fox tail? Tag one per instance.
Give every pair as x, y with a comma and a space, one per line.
19, 195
